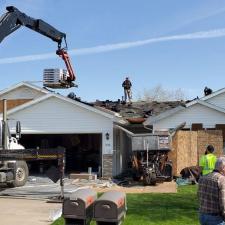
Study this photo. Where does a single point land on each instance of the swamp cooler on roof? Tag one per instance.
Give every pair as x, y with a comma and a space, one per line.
55, 78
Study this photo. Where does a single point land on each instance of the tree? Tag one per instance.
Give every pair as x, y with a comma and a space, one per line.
158, 93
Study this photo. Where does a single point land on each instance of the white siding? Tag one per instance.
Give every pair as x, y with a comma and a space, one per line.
194, 114
55, 116
218, 100
22, 92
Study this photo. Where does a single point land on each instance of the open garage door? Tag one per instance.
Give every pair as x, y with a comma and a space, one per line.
82, 150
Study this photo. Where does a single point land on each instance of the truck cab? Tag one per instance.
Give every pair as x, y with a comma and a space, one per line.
14, 173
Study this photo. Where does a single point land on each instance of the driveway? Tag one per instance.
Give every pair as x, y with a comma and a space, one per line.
26, 212
33, 209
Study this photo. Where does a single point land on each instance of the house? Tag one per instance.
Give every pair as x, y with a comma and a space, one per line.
98, 135
206, 115
124, 133
207, 112
50, 120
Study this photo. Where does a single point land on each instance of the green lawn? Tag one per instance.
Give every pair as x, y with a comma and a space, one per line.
161, 209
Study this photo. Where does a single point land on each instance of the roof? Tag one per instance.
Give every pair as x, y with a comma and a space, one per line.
71, 101
168, 113
139, 109
218, 92
206, 97
27, 84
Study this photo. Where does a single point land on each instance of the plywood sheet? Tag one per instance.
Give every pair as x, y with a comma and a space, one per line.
189, 146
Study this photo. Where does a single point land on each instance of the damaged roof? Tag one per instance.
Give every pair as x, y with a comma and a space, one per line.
139, 109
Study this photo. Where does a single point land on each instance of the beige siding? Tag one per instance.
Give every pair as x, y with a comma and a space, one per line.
12, 103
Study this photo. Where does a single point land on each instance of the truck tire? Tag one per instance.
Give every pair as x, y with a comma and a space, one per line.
21, 174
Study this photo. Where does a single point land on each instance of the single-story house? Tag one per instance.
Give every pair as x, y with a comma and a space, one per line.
50, 120
207, 112
98, 135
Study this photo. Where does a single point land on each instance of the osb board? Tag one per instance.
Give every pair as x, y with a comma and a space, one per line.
188, 146
210, 137
12, 103
173, 153
184, 150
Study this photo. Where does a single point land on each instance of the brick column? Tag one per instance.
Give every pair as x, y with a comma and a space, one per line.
107, 165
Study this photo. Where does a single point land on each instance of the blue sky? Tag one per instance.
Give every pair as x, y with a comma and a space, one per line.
151, 41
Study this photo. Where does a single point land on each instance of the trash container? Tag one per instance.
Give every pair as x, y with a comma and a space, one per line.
78, 207
110, 208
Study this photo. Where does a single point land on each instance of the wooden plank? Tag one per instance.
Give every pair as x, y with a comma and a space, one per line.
85, 176
12, 103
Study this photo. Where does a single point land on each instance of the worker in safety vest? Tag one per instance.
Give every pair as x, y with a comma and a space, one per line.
207, 161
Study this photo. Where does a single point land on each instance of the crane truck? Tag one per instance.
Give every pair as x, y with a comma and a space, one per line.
13, 156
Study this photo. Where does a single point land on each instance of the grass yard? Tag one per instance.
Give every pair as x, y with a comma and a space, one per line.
161, 209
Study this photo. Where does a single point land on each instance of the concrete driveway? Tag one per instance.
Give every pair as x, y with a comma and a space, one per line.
33, 209
26, 212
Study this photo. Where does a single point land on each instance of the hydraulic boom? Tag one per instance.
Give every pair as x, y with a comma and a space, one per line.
14, 19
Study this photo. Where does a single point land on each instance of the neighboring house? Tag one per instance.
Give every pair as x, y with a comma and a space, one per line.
204, 113
51, 120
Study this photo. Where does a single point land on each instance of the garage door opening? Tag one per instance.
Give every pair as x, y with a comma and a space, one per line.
82, 150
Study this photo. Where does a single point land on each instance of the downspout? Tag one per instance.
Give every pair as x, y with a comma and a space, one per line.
5, 130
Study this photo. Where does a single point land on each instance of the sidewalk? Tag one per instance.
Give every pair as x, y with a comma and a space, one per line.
26, 212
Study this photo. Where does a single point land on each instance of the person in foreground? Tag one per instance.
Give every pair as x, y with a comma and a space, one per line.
211, 195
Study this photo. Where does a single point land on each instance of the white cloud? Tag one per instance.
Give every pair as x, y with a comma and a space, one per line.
217, 33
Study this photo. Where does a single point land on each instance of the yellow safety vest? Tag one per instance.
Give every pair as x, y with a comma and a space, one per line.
207, 162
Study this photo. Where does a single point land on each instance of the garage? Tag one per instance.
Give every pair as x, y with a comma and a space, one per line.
49, 120
82, 150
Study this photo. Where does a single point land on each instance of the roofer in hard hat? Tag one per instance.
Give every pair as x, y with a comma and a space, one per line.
127, 89
207, 161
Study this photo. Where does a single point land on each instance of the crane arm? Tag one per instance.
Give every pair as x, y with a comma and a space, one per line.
14, 19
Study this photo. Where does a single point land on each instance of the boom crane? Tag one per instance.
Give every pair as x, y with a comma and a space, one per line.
13, 156
14, 19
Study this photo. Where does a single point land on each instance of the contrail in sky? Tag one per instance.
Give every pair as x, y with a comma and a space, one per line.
118, 46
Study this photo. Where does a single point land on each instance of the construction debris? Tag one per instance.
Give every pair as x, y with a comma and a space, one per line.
44, 188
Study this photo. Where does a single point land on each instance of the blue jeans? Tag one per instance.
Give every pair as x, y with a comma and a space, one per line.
206, 219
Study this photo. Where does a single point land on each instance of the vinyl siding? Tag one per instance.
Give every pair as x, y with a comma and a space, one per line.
194, 114
55, 116
22, 92
218, 100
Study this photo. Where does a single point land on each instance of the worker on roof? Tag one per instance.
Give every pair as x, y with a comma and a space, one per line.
127, 89
207, 91
207, 161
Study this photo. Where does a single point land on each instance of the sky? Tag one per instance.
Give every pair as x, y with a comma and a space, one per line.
178, 44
